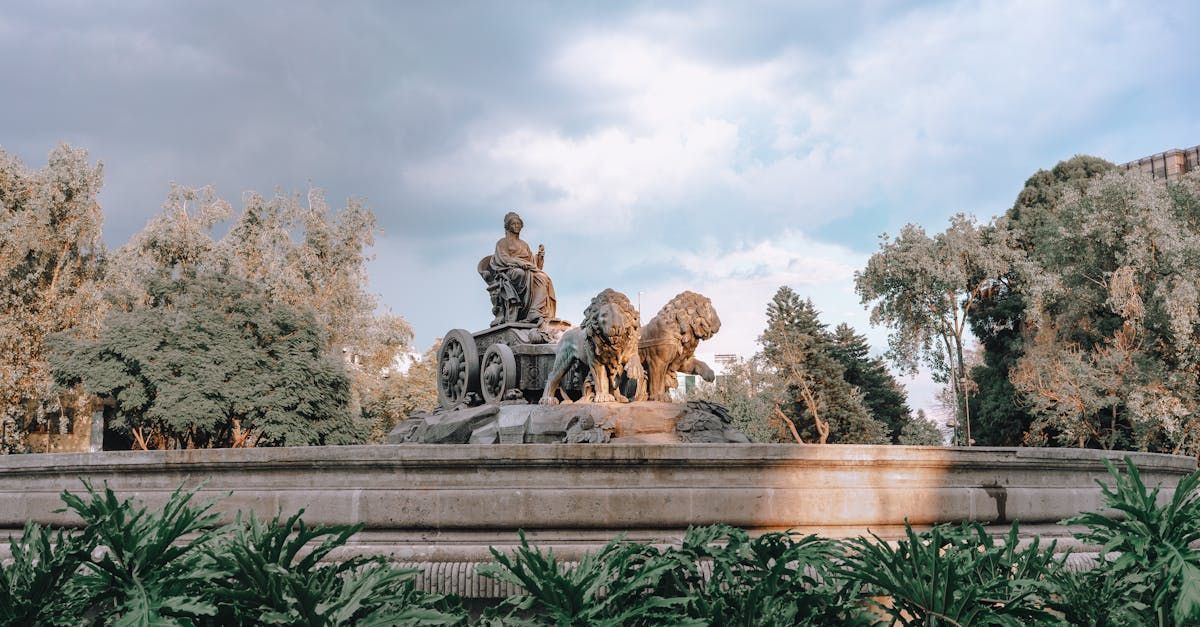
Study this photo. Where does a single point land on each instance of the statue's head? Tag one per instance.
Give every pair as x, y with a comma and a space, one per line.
513, 222
611, 315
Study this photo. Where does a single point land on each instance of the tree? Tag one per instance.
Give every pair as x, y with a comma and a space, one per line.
818, 400
49, 267
997, 320
212, 361
920, 431
403, 393
1113, 317
301, 253
752, 392
884, 397
924, 288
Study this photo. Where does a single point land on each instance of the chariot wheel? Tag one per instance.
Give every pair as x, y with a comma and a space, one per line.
458, 368
498, 374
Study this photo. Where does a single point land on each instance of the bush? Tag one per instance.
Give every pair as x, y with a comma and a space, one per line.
773, 579
956, 576
1147, 556
618, 585
268, 582
132, 566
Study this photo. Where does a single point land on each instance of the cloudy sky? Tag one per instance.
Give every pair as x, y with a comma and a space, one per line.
726, 148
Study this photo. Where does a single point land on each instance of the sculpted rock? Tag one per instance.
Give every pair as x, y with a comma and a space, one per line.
709, 423
443, 427
606, 342
668, 342
578, 423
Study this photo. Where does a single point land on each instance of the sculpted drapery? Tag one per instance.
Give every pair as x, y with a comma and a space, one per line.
520, 290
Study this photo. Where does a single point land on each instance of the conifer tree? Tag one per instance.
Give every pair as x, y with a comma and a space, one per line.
884, 397
820, 402
920, 431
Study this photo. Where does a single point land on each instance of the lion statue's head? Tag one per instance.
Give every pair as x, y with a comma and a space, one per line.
612, 317
688, 318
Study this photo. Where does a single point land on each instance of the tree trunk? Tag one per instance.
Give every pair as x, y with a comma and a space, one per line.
811, 402
138, 439
962, 387
791, 425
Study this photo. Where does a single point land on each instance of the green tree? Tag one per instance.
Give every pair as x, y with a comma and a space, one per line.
923, 288
50, 255
819, 401
920, 431
883, 395
212, 361
998, 318
402, 393
1112, 353
300, 251
751, 391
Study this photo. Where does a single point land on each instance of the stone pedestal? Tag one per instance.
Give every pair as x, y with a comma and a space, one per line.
580, 423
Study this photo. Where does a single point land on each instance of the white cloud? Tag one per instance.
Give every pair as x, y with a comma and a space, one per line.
911, 116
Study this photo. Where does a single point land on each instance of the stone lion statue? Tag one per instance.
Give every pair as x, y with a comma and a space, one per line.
606, 343
668, 342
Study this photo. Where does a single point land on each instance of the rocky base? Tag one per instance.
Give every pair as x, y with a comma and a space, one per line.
590, 423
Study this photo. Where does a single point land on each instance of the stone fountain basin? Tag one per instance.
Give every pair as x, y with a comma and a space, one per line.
431, 504
492, 490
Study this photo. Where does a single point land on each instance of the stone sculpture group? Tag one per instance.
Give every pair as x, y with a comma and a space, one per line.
540, 379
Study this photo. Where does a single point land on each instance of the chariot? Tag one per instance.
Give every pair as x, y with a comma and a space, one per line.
507, 362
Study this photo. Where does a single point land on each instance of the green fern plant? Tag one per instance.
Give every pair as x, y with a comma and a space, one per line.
31, 585
146, 568
956, 576
1149, 548
274, 579
773, 579
1102, 597
615, 586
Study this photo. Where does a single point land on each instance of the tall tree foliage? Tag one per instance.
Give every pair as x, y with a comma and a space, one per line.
882, 394
998, 319
399, 394
819, 400
300, 252
212, 361
49, 266
1113, 322
924, 288
920, 431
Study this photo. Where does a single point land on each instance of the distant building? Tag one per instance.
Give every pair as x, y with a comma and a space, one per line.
1169, 165
724, 359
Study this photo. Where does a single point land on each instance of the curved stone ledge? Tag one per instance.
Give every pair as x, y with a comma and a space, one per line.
428, 503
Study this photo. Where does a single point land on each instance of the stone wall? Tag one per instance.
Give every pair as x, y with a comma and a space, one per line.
444, 505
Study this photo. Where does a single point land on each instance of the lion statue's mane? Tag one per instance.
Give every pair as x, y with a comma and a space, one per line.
606, 342
668, 342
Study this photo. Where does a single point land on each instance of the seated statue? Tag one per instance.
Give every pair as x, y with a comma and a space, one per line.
519, 289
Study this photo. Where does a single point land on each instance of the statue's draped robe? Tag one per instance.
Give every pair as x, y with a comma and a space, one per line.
524, 283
